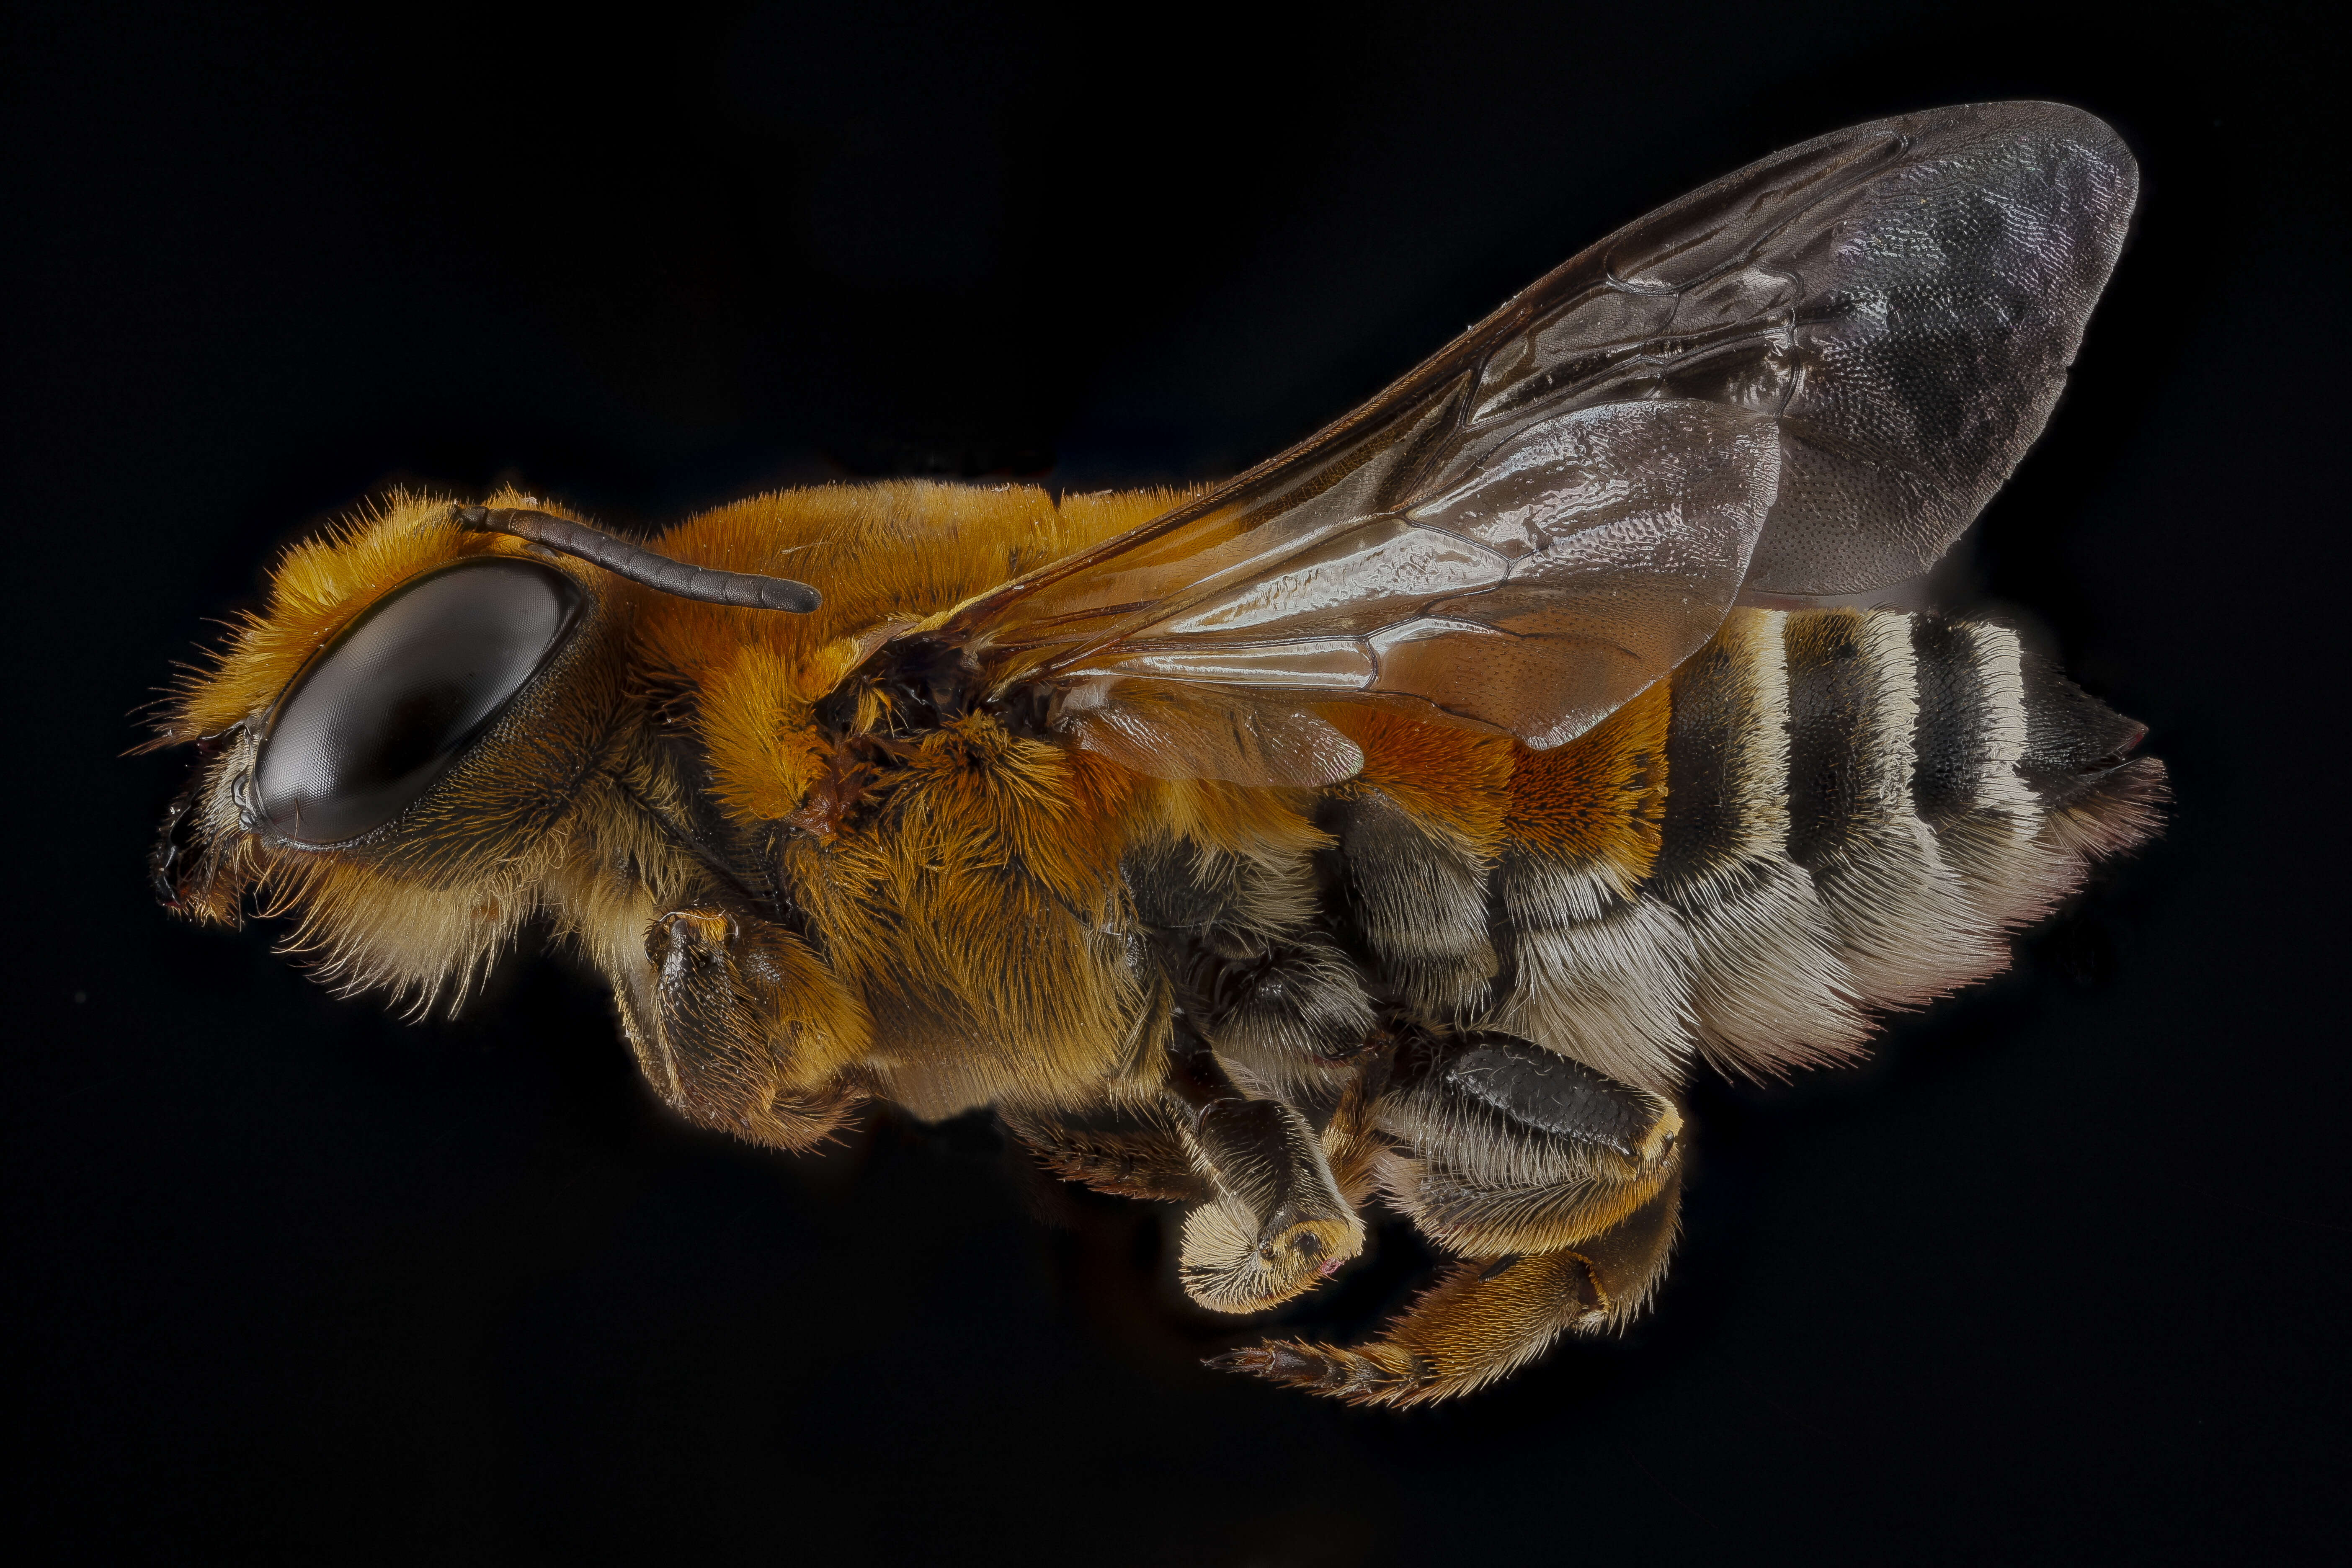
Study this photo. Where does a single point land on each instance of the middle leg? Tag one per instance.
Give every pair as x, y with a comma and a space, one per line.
1276, 1222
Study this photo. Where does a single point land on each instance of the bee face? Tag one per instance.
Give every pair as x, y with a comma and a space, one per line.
394, 746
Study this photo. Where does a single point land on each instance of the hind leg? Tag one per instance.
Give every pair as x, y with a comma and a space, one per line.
1558, 1185
1483, 1319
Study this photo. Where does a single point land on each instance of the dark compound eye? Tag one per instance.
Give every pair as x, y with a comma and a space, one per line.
403, 692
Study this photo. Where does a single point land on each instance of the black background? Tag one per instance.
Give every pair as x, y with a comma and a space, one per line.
2061, 1274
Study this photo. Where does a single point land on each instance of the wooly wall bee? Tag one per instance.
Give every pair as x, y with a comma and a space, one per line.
1398, 826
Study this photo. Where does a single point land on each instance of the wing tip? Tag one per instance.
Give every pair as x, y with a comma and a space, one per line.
2047, 119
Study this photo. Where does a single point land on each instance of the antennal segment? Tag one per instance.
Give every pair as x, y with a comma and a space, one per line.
743, 590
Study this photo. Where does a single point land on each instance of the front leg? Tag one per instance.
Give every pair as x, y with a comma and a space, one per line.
1276, 1223
731, 1010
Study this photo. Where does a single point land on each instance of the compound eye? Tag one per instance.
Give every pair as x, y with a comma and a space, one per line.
403, 692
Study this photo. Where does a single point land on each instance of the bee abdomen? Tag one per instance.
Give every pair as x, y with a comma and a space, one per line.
1906, 928
2096, 798
1770, 985
1857, 806
1599, 968
1967, 787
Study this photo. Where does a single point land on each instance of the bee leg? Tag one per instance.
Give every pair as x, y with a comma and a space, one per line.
1483, 1319
1277, 1223
706, 1031
1242, 940
1128, 1163
1557, 1184
1503, 1147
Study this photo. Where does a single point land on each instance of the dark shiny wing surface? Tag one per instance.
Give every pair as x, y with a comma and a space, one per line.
1808, 376
1559, 573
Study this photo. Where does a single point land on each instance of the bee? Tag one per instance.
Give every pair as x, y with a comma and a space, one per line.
1400, 825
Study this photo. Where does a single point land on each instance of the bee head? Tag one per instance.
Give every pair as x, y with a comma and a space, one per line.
392, 742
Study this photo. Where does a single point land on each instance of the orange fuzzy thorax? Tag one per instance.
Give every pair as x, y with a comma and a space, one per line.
887, 558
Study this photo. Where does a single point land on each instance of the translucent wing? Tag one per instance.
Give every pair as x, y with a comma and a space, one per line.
1808, 376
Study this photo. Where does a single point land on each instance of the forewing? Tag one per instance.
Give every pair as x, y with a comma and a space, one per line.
1564, 569
1904, 299
1808, 375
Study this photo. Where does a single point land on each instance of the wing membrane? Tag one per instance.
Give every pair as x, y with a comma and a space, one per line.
1180, 729
1566, 571
1808, 376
